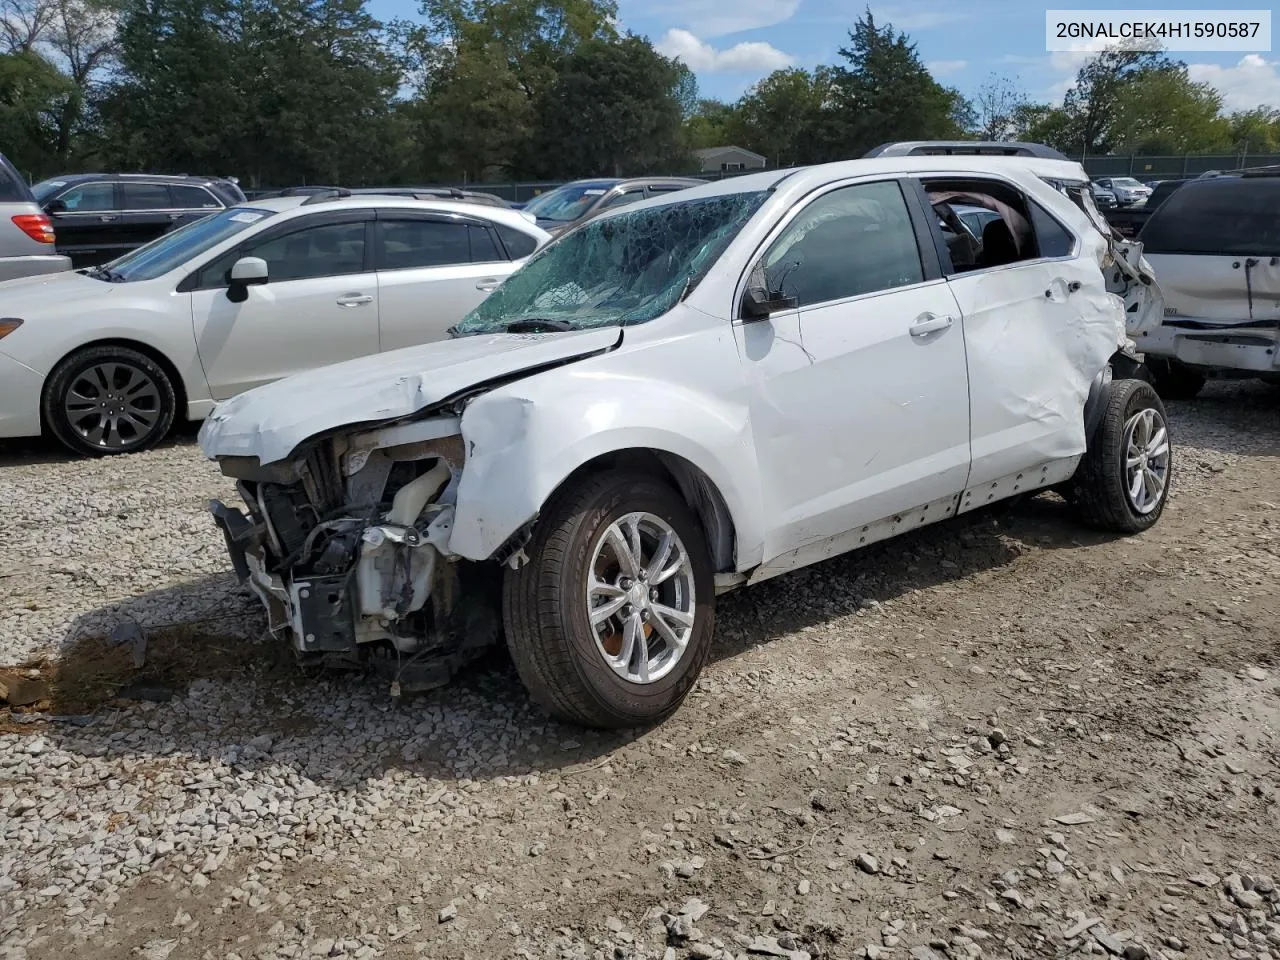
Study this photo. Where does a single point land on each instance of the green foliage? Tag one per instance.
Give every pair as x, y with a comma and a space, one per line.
614, 108
33, 96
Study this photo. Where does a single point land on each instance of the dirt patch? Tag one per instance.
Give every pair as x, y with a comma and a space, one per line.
133, 665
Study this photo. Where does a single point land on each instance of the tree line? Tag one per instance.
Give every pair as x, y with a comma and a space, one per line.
282, 92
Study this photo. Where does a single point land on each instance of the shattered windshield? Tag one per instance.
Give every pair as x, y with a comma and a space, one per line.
623, 269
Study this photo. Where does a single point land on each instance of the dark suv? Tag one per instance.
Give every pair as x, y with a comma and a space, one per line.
99, 216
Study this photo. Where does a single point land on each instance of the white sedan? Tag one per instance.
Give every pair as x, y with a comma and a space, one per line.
106, 359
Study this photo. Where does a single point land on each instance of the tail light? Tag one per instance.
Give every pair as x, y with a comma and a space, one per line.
37, 226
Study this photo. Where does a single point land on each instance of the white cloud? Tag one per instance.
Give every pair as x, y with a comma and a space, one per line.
940, 68
702, 57
714, 18
1253, 82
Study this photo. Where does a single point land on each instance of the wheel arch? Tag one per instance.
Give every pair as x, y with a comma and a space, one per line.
170, 369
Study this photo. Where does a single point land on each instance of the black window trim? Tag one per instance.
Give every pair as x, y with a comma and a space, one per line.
940, 243
929, 265
116, 196
278, 229
438, 216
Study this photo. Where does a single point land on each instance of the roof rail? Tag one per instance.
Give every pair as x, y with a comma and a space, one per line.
331, 193
988, 148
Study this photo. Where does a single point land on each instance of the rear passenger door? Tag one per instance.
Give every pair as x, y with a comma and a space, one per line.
1038, 326
432, 269
145, 210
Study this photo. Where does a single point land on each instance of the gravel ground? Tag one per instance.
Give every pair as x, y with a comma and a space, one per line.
1000, 737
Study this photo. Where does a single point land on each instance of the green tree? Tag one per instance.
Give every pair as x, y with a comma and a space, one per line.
709, 125
885, 93
613, 109
1162, 111
997, 106
780, 115
1041, 123
296, 91
33, 97
1255, 131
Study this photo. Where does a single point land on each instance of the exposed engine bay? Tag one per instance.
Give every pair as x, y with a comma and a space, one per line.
346, 543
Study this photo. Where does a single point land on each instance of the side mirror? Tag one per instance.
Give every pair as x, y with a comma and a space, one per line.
245, 273
55, 206
759, 304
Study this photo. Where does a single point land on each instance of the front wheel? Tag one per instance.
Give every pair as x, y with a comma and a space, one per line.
109, 399
1122, 483
609, 622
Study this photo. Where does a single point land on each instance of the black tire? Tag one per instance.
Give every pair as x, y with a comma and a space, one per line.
544, 606
1175, 380
144, 416
1271, 379
1098, 491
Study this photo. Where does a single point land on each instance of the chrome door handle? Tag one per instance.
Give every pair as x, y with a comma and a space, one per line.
354, 300
174, 216
489, 285
108, 219
927, 323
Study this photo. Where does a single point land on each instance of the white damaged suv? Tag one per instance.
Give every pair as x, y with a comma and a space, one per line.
692, 394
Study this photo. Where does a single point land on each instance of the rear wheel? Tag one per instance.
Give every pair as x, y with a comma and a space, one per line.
1175, 380
108, 399
609, 623
1122, 483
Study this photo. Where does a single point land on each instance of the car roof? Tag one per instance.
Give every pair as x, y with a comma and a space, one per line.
464, 208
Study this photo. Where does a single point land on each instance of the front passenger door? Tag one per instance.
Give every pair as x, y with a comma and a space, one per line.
318, 306
870, 417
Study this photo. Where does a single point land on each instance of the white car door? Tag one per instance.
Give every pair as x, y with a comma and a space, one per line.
867, 415
432, 269
318, 306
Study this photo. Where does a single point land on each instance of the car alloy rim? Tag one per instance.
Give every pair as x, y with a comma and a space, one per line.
640, 597
1146, 460
112, 405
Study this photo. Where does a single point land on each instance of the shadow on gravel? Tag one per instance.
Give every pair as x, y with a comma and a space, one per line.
1231, 416
28, 451
240, 700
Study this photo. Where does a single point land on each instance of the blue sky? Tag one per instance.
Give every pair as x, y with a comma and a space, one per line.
732, 43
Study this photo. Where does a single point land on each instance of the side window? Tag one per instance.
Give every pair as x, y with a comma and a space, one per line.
518, 243
12, 186
89, 197
423, 243
1006, 235
851, 241
328, 250
484, 249
1052, 238
622, 199
187, 197
145, 196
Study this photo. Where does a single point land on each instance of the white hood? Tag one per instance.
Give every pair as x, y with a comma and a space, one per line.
52, 293
270, 421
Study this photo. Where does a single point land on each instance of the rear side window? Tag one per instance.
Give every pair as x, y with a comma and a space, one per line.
12, 187
423, 243
146, 196
1052, 238
1236, 216
186, 197
484, 249
518, 243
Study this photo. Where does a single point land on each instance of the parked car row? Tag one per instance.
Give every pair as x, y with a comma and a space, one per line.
106, 358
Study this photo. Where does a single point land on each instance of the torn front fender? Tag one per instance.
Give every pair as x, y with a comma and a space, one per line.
522, 441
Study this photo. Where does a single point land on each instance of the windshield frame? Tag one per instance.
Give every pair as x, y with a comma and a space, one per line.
615, 270
182, 257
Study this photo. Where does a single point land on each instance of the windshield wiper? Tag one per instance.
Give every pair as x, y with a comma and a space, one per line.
537, 325
107, 274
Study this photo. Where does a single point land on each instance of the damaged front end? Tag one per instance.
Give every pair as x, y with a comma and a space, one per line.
347, 544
